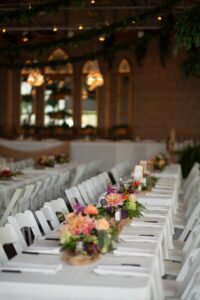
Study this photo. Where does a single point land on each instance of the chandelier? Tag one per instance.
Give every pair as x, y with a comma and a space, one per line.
94, 78
35, 78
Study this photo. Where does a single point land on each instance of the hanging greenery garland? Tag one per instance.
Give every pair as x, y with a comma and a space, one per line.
23, 14
188, 37
89, 35
81, 58
188, 28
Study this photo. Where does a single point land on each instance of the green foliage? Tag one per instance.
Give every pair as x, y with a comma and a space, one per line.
188, 28
188, 157
191, 65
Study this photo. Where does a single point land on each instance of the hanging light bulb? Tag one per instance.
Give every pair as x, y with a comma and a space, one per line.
35, 78
94, 78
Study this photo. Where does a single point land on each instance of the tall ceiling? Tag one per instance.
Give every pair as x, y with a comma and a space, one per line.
101, 12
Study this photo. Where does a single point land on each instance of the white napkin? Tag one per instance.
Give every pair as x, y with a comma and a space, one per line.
131, 238
43, 250
32, 267
131, 252
121, 270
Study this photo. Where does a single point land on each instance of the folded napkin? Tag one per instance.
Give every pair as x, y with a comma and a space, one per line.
31, 267
131, 238
121, 270
43, 250
131, 252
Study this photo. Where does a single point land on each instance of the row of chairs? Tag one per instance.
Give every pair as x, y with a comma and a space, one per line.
33, 196
120, 170
184, 259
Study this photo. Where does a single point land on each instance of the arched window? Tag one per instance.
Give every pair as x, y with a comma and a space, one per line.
89, 99
58, 92
27, 115
123, 92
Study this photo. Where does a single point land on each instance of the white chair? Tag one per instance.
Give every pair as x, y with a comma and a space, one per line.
105, 180
24, 202
85, 195
176, 288
59, 205
115, 174
8, 235
34, 203
79, 174
42, 221
181, 251
50, 215
25, 220
73, 195
16, 196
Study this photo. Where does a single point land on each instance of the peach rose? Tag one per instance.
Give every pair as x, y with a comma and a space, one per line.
90, 210
102, 224
114, 199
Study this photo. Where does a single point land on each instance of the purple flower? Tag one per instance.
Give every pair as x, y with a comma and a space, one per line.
124, 214
111, 189
92, 248
77, 208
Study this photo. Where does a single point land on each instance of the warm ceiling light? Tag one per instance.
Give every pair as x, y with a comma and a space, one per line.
159, 18
92, 2
80, 27
25, 39
94, 78
35, 78
101, 38
4, 30
55, 29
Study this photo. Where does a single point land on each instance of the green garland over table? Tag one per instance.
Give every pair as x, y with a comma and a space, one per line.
187, 36
24, 14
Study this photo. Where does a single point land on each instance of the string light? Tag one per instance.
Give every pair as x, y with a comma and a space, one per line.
159, 18
80, 27
25, 39
101, 38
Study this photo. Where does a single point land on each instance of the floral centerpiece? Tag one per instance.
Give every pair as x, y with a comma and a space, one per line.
46, 161
159, 162
61, 158
120, 202
6, 174
86, 235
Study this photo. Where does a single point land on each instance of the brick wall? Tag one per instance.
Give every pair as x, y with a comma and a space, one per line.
163, 99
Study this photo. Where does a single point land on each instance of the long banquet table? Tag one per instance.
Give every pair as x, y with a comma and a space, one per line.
29, 176
110, 153
100, 280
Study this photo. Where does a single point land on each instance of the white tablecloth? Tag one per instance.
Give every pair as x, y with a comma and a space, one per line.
82, 283
111, 153
30, 145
